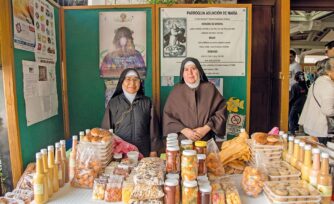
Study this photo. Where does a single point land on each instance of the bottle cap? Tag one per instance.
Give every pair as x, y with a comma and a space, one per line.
201, 156
87, 131
281, 132
190, 184
172, 135
200, 144
301, 144
172, 176
205, 188
242, 130
173, 148
171, 182
44, 151
307, 147
81, 133
62, 142
57, 145
186, 142
291, 138
324, 155
315, 151
38, 155
189, 152
75, 137
50, 148
111, 130
297, 141
284, 135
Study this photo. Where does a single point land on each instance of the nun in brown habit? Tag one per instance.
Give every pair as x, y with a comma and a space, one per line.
194, 109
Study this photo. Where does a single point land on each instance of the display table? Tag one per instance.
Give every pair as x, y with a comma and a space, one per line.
70, 195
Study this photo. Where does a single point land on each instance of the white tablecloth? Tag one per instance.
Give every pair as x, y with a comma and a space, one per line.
70, 195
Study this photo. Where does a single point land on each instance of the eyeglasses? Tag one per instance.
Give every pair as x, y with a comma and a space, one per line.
132, 79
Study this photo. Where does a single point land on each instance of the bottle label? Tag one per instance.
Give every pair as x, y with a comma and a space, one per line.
60, 173
38, 189
325, 190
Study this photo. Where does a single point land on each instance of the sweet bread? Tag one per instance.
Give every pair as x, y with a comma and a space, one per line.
95, 132
260, 137
272, 138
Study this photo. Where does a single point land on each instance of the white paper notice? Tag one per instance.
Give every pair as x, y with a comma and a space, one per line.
40, 91
215, 36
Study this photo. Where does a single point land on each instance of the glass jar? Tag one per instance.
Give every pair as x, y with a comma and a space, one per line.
172, 136
200, 147
189, 192
205, 194
186, 145
172, 143
98, 189
172, 191
189, 165
201, 164
173, 159
117, 157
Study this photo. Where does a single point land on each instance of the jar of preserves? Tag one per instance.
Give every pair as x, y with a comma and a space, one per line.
172, 136
186, 145
201, 164
173, 159
189, 165
205, 194
189, 192
172, 191
172, 143
200, 147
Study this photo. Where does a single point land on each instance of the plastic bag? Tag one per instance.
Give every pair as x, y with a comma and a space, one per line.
150, 171
213, 163
253, 181
26, 196
123, 147
25, 182
145, 192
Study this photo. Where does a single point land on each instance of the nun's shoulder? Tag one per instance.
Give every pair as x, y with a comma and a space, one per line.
208, 85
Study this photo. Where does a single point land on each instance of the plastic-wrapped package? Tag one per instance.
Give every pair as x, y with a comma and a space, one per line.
4, 200
147, 192
214, 165
26, 196
113, 191
99, 189
253, 181
150, 171
146, 202
127, 191
26, 179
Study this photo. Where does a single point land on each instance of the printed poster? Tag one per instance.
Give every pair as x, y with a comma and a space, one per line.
122, 43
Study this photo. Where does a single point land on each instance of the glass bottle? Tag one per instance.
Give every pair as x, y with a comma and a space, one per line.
201, 164
315, 167
172, 191
51, 164
205, 194
59, 165
285, 145
300, 156
47, 171
307, 163
189, 192
290, 149
200, 147
39, 181
173, 159
294, 159
64, 160
189, 165
73, 156
325, 180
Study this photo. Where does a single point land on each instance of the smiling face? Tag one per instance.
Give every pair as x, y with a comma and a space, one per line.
131, 84
190, 73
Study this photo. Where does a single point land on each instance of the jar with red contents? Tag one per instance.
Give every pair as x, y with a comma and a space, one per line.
173, 159
201, 164
172, 191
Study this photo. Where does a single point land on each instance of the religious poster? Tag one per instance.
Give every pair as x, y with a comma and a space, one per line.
122, 43
217, 37
45, 49
23, 24
40, 91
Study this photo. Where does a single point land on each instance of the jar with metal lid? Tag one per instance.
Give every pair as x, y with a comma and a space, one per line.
200, 147
189, 192
201, 164
173, 159
189, 165
172, 191
205, 194
186, 145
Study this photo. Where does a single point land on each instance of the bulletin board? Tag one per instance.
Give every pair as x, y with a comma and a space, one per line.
35, 137
234, 85
85, 87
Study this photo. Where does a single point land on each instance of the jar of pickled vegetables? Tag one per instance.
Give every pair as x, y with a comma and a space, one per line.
189, 165
189, 192
98, 189
172, 191
173, 159
186, 145
201, 164
200, 147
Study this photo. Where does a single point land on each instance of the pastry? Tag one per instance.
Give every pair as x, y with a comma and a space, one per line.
272, 138
260, 137
95, 132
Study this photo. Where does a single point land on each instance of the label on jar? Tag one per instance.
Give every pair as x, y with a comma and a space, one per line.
325, 190
38, 189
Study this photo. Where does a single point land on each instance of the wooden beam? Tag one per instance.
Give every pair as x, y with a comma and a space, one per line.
8, 67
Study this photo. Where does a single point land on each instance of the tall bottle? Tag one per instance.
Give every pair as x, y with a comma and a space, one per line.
39, 181
307, 165
73, 156
243, 133
285, 145
325, 180
294, 158
59, 164
315, 167
290, 149
81, 135
47, 172
64, 160
51, 163
300, 156
87, 131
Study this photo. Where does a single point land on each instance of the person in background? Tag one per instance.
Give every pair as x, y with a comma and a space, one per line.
131, 114
319, 104
329, 49
293, 69
298, 95
194, 109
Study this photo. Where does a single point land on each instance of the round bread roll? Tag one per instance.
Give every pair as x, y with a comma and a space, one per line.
95, 139
95, 132
86, 138
260, 137
106, 139
272, 138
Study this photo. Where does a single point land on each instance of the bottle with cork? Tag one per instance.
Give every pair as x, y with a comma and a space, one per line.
73, 156
325, 180
47, 172
64, 160
58, 163
315, 167
39, 181
51, 164
307, 165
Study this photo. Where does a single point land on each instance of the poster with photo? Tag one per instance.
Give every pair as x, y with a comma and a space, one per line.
218, 82
23, 24
218, 39
45, 33
122, 43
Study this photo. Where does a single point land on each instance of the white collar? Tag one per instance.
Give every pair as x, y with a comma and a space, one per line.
129, 96
194, 85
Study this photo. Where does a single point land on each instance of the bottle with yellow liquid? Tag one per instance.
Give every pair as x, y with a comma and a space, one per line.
51, 163
64, 160
73, 156
307, 165
39, 181
325, 180
315, 167
59, 163
285, 145
81, 135
294, 158
47, 172
300, 160
290, 149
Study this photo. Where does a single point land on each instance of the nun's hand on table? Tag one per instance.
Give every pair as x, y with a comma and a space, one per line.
202, 131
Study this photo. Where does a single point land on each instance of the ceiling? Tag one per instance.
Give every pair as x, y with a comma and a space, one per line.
310, 31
